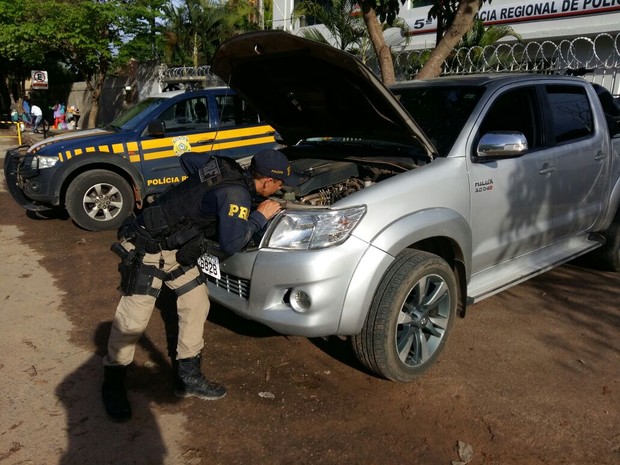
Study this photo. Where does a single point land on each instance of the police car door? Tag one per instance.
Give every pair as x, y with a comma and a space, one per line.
240, 130
183, 126
215, 121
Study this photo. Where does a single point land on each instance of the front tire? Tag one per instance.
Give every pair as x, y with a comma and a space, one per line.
410, 317
99, 200
608, 256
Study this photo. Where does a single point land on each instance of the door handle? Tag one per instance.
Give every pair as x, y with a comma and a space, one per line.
600, 155
547, 169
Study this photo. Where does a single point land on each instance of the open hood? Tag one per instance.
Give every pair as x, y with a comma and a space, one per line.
307, 89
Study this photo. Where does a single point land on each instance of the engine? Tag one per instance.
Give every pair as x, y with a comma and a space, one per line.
324, 182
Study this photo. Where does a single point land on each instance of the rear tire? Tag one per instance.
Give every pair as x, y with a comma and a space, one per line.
99, 200
410, 318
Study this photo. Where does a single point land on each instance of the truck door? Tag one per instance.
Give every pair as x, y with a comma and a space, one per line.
512, 199
583, 159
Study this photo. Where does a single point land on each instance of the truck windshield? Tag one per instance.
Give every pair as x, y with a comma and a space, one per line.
441, 111
134, 116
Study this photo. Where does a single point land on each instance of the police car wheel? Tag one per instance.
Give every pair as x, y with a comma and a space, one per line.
99, 200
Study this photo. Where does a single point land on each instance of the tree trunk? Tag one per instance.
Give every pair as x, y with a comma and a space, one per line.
96, 88
375, 31
195, 50
463, 22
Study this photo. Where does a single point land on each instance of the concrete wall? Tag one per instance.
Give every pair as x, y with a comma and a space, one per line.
143, 81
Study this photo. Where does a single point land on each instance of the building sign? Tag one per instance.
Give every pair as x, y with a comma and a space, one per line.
531, 11
38, 80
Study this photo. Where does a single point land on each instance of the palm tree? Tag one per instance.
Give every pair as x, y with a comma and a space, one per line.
478, 46
479, 36
343, 21
195, 28
340, 18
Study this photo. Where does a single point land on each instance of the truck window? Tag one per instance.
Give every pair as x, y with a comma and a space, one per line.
571, 112
234, 111
515, 110
440, 111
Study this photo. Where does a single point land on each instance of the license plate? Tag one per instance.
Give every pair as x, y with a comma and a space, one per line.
210, 264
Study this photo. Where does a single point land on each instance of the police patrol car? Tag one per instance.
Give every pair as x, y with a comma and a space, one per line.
100, 175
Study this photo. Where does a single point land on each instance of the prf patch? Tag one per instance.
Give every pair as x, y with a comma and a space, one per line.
240, 212
181, 145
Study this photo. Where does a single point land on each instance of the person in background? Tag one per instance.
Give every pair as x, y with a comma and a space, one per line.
26, 115
72, 117
59, 115
37, 115
76, 116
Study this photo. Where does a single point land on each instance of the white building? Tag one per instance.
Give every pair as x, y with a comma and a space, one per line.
534, 20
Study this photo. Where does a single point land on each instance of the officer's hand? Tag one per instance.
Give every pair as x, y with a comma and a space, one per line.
269, 208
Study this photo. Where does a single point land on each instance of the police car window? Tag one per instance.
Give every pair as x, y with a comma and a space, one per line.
232, 110
572, 115
186, 116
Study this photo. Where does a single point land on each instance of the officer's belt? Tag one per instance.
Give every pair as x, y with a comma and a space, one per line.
142, 240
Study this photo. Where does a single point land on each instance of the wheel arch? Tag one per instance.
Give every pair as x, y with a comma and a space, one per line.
438, 231
102, 161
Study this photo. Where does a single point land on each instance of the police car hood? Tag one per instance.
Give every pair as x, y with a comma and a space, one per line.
306, 89
69, 139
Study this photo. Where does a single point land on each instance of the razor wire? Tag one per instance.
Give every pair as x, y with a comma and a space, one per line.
188, 77
596, 58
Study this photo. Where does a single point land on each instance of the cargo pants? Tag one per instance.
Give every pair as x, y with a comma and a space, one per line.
134, 312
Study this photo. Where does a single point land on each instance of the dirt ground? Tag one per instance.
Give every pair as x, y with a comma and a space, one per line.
530, 376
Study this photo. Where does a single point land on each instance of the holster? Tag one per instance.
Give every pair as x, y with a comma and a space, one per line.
136, 277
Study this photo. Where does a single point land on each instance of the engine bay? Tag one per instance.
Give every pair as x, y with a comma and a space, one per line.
323, 182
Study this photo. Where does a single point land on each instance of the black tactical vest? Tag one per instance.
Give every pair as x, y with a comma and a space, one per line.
175, 217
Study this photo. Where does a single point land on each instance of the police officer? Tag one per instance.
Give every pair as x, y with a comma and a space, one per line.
162, 245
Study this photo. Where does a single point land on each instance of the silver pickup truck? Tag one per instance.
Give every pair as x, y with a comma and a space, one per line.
417, 200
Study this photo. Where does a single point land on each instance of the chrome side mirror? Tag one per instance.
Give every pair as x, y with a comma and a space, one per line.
502, 144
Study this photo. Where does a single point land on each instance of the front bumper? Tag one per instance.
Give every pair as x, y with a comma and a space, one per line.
16, 183
258, 285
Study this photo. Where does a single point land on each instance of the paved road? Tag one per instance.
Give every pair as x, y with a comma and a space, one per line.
8, 139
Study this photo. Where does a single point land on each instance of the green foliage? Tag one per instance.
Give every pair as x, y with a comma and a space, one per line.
444, 11
87, 36
195, 28
339, 18
475, 48
479, 36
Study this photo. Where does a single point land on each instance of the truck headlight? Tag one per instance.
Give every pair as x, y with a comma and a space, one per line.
314, 229
42, 162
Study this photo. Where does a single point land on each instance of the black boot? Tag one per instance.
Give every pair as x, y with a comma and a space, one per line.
114, 393
191, 382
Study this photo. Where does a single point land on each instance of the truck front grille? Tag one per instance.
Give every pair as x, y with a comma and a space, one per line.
232, 284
